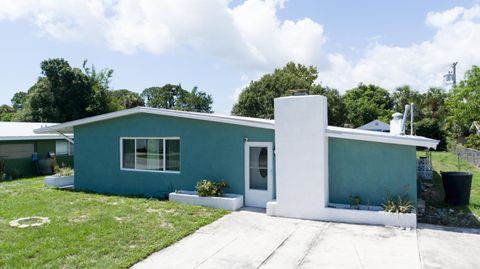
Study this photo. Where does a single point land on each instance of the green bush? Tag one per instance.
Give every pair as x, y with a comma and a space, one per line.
209, 188
473, 142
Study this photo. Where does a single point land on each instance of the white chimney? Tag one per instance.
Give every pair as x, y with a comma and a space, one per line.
396, 124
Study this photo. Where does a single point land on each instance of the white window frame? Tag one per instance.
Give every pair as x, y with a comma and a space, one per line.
164, 154
69, 148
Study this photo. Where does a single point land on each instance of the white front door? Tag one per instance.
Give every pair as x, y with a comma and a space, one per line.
258, 173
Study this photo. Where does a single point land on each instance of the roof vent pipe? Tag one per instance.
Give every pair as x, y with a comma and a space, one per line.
404, 119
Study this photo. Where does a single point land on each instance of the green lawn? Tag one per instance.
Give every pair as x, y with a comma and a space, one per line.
447, 161
89, 230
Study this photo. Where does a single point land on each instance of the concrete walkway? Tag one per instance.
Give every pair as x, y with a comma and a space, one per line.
249, 239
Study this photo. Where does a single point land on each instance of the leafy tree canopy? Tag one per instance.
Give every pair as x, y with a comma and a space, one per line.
64, 93
172, 96
256, 100
366, 103
127, 99
463, 103
18, 100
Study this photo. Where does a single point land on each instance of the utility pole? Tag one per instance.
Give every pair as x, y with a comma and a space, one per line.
454, 67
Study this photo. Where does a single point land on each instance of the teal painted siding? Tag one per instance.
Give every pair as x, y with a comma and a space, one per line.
371, 170
207, 150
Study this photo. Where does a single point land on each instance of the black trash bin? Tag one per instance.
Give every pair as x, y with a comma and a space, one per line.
457, 187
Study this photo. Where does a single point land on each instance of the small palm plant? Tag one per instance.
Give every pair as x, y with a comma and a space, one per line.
398, 205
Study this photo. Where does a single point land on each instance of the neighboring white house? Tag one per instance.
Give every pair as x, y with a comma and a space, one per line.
376, 125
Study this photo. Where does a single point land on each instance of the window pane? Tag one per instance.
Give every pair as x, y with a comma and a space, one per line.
128, 153
154, 154
173, 155
149, 154
258, 168
141, 154
72, 148
61, 148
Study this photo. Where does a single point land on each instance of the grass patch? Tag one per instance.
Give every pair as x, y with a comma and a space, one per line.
463, 216
89, 230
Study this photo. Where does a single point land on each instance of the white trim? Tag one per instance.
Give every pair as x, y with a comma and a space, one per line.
134, 138
269, 191
33, 137
372, 136
245, 121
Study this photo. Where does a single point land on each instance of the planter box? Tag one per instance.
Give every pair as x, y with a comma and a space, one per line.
373, 215
54, 181
229, 201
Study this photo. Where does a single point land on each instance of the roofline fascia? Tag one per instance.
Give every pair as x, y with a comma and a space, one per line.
179, 114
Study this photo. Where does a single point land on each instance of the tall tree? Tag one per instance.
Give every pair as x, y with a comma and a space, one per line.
172, 96
405, 95
256, 100
463, 103
366, 103
127, 99
64, 93
18, 100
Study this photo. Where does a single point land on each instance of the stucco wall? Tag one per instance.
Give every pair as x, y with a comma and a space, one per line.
207, 150
370, 170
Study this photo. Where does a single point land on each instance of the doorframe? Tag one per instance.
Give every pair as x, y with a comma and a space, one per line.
269, 191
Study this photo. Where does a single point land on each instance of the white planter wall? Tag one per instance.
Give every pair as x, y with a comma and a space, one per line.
54, 181
228, 201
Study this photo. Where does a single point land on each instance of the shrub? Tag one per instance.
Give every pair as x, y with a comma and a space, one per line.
63, 171
397, 205
473, 142
355, 201
209, 188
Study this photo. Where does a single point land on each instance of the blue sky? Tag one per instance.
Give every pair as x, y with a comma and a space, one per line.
220, 46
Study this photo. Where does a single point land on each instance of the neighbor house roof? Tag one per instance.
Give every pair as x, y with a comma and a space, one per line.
331, 131
375, 125
11, 131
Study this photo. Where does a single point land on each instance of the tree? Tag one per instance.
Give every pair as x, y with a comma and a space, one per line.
18, 100
432, 114
463, 103
6, 113
256, 100
366, 103
101, 100
172, 96
127, 99
404, 96
64, 93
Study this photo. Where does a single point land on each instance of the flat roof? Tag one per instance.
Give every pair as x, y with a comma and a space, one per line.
13, 131
338, 132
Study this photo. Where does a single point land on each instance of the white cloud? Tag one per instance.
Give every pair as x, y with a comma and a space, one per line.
249, 34
421, 65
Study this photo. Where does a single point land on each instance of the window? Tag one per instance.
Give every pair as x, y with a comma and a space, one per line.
150, 154
16, 151
63, 147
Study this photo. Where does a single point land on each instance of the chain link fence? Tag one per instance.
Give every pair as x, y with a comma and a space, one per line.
470, 155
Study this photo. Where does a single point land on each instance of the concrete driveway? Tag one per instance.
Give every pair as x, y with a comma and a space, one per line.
249, 239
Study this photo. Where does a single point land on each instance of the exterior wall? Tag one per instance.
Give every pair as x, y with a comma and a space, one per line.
24, 166
370, 170
208, 150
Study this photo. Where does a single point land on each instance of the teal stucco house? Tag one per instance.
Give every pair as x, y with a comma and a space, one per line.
152, 152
